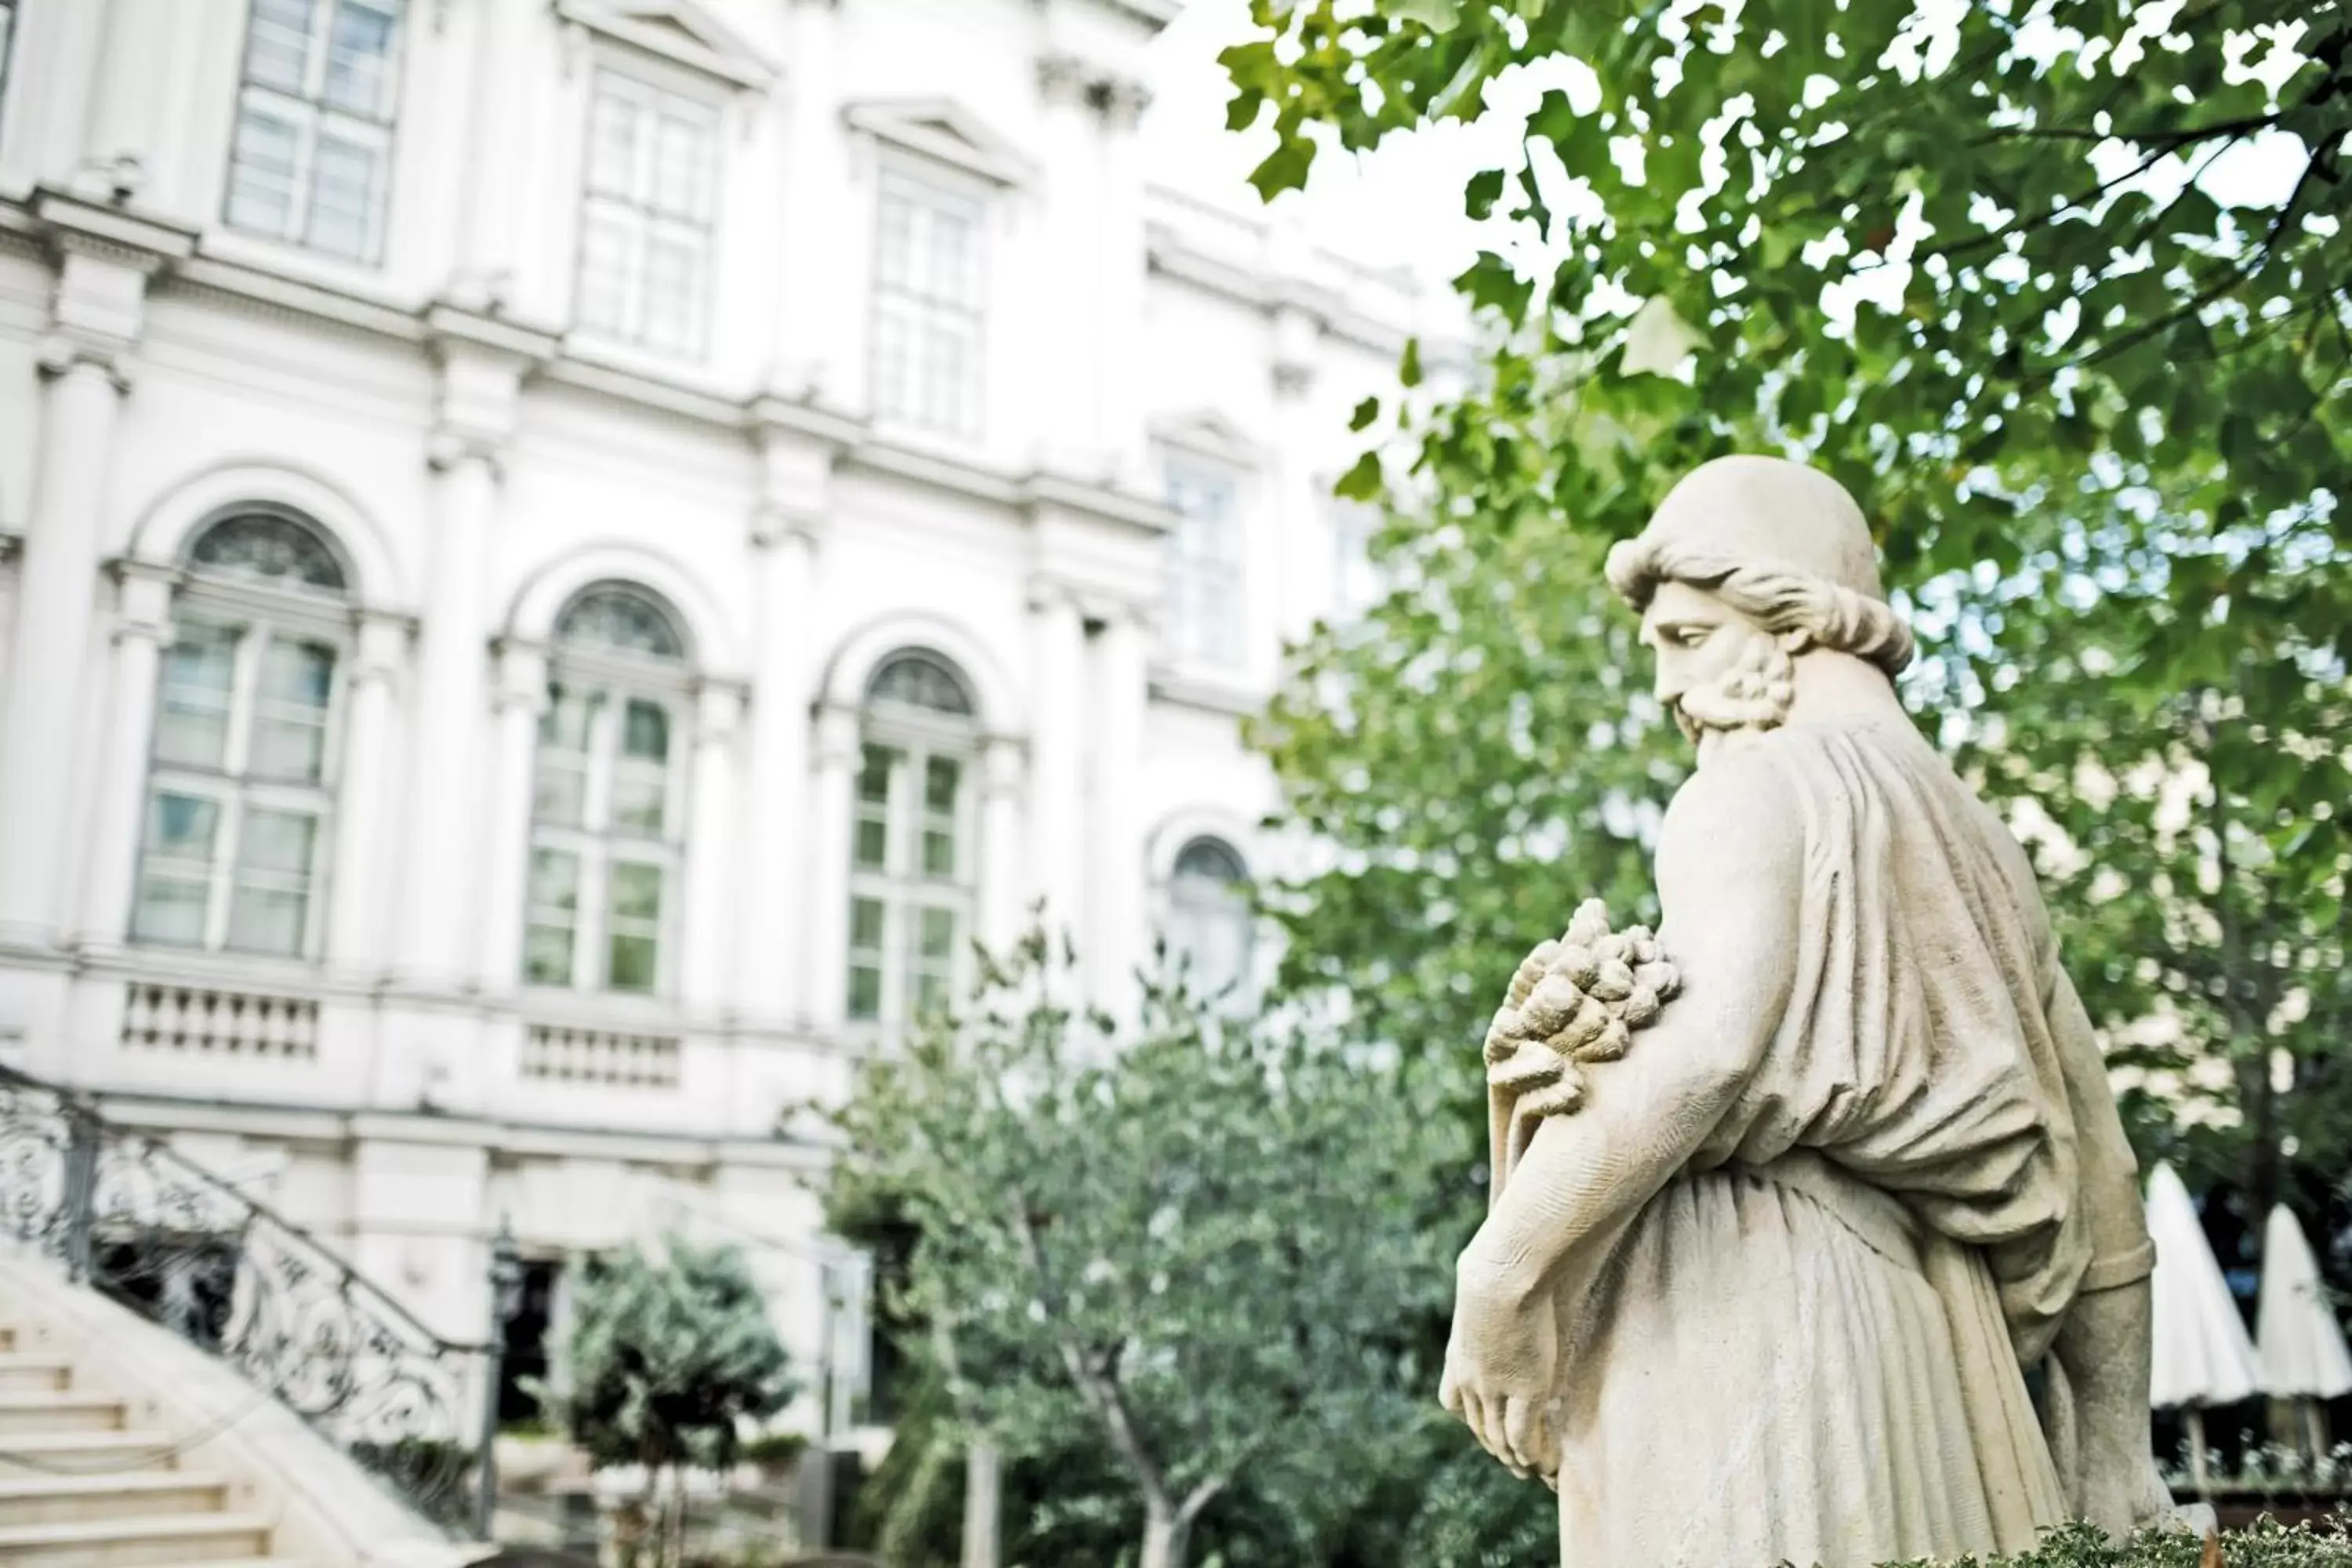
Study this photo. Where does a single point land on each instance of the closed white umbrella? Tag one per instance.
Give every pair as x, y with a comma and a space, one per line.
2301, 1347
2201, 1354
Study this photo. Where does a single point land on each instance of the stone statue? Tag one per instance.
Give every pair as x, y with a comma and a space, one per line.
1793, 1202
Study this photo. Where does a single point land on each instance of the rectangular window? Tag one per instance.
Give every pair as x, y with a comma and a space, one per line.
238, 803
604, 854
912, 896
1357, 582
647, 216
1205, 604
927, 311
310, 160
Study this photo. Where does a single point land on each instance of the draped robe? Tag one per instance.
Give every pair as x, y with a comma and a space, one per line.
1810, 1345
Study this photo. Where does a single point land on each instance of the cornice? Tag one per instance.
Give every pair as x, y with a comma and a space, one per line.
73, 224
1047, 492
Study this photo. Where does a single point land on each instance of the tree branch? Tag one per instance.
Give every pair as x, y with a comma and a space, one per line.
1101, 1393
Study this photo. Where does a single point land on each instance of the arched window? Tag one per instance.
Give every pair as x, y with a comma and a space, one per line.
1209, 925
911, 858
607, 805
240, 773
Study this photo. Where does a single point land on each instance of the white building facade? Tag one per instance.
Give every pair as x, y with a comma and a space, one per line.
560, 559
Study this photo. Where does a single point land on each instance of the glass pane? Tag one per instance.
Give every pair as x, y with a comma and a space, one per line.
674, 271
641, 783
277, 44
930, 998
346, 191
289, 732
864, 992
613, 142
554, 882
171, 909
636, 892
631, 960
547, 954
936, 935
874, 776
893, 243
952, 274
191, 723
359, 58
866, 922
608, 270
277, 841
267, 548
182, 826
938, 853
261, 173
682, 172
644, 734
943, 778
559, 792
873, 842
622, 620
267, 919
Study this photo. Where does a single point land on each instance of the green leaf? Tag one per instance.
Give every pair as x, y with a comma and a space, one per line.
1363, 480
1409, 365
1366, 411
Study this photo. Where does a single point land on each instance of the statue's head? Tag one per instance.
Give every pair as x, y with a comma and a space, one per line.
1749, 566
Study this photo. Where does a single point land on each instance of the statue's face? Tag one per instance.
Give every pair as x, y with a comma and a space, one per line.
1698, 640
1718, 669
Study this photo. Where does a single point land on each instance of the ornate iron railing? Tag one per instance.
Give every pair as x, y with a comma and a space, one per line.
127, 1217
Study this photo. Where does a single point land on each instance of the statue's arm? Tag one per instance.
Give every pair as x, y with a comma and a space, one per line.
1730, 868
2101, 1346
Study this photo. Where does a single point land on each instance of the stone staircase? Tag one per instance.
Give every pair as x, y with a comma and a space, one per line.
84, 1483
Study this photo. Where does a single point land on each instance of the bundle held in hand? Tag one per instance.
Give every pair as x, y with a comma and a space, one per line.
1573, 1002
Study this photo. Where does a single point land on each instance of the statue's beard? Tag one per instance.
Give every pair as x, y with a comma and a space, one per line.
1754, 694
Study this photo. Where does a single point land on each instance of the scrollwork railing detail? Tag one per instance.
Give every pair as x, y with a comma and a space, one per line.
124, 1215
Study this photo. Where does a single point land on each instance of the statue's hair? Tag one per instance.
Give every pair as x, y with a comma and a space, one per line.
1809, 608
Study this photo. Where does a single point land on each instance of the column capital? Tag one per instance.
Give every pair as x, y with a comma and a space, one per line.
65, 350
383, 637
1003, 767
837, 736
521, 680
718, 711
775, 524
1048, 594
142, 596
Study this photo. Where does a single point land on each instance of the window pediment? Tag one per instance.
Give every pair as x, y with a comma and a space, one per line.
680, 31
1208, 435
946, 132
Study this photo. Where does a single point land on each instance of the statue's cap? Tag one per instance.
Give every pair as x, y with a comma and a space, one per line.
1756, 512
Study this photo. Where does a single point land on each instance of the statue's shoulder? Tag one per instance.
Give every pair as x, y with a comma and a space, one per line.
1743, 798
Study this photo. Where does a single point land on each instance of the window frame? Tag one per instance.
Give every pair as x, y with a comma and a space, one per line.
611, 679
257, 614
900, 885
928, 192
1178, 907
1184, 643
311, 118
654, 90
11, 19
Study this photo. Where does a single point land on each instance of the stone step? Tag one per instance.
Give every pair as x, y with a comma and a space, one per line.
32, 1374
59, 1410
60, 1500
125, 1543
84, 1453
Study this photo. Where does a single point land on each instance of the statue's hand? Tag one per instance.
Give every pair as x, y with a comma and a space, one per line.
1499, 1369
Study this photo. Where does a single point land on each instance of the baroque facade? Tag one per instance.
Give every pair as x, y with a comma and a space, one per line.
560, 559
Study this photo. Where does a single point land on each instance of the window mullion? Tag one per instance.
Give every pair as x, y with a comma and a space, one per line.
244, 695
317, 48
222, 896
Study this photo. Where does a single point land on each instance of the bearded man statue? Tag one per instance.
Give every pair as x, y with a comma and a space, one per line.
1777, 1282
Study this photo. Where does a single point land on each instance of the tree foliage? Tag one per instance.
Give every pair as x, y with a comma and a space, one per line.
670, 1355
2058, 289
1191, 1247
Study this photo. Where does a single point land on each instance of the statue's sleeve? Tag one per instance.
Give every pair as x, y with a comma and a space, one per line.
2108, 1173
